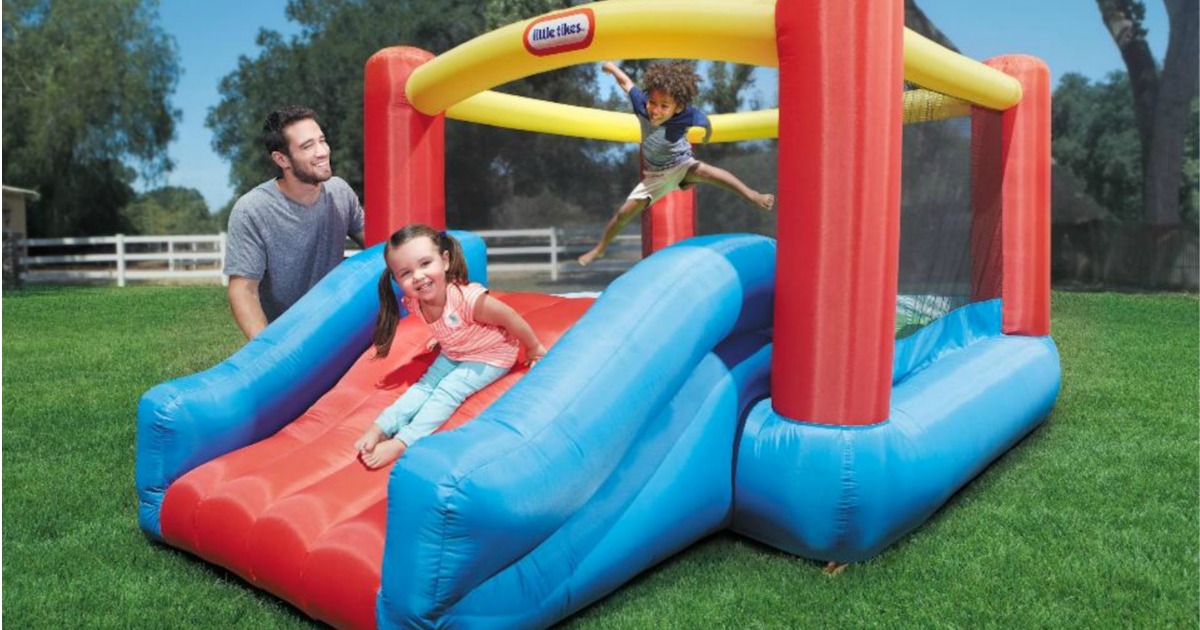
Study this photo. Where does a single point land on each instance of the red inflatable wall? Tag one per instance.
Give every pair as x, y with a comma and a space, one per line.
403, 150
1010, 197
670, 220
840, 83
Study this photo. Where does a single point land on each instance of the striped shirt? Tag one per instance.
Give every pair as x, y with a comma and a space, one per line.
461, 337
666, 145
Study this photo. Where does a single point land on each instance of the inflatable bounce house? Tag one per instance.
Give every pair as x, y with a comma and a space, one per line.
783, 389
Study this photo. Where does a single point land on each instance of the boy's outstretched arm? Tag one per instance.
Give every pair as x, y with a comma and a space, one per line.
623, 80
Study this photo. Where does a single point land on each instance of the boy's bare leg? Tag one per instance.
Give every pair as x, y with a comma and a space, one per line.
628, 210
709, 174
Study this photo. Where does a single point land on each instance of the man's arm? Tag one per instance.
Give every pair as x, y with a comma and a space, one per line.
358, 238
246, 307
623, 80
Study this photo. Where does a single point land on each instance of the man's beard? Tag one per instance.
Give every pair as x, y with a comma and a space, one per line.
308, 176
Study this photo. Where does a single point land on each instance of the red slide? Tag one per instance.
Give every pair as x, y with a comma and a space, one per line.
301, 498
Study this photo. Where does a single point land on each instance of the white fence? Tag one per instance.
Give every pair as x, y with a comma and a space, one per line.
122, 258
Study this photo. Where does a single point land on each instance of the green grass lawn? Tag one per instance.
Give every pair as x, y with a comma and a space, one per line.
1092, 521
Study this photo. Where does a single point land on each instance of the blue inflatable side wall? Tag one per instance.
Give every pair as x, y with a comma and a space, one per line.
845, 493
268, 382
611, 454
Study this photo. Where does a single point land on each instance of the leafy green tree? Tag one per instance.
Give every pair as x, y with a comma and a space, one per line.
727, 88
170, 210
323, 69
1095, 137
86, 96
1095, 132
915, 19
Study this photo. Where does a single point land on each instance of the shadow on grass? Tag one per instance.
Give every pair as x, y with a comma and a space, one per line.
216, 574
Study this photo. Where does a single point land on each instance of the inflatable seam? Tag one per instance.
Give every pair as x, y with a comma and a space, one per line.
848, 498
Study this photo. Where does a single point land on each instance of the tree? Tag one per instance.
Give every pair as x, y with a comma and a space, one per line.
1095, 138
170, 210
1191, 169
1162, 99
726, 89
86, 102
323, 69
915, 19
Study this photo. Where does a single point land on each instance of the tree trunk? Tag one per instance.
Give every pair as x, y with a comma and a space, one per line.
1123, 18
1161, 104
1178, 87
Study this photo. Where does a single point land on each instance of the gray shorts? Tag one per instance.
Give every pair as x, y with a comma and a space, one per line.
656, 184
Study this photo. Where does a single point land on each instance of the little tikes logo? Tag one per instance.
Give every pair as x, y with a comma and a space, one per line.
561, 32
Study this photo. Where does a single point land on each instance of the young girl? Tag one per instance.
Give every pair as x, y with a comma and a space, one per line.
478, 334
665, 113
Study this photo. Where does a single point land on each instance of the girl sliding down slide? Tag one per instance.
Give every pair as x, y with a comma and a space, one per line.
479, 337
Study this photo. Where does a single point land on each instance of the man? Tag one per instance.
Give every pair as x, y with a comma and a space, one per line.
288, 232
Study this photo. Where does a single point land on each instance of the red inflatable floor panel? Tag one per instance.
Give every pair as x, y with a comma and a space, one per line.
298, 514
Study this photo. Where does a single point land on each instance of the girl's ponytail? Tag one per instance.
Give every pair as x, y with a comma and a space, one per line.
457, 271
388, 317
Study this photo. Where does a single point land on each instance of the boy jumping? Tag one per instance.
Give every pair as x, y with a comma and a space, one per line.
665, 114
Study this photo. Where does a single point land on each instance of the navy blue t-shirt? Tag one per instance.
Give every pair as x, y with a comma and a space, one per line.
666, 145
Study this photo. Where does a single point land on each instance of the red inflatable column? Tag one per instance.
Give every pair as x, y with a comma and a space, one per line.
840, 83
403, 150
1010, 197
670, 220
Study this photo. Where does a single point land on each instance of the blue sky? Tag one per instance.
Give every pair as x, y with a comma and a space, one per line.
1067, 34
212, 34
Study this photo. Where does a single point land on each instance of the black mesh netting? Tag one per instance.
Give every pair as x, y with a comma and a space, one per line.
935, 215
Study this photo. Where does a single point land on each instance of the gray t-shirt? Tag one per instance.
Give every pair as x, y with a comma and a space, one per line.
287, 246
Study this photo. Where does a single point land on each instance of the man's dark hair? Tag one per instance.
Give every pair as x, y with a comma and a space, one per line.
279, 120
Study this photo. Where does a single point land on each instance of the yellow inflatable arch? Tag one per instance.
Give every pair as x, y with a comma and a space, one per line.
459, 82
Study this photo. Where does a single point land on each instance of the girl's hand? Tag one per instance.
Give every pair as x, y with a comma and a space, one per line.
533, 355
609, 67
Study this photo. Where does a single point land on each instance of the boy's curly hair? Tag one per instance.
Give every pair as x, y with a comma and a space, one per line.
677, 78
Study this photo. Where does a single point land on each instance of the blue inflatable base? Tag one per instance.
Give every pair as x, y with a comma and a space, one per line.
843, 494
